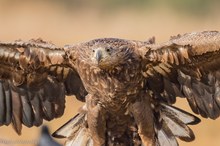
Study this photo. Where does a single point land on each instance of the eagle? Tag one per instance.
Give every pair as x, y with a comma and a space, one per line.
128, 86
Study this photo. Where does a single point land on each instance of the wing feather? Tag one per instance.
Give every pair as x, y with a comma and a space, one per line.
35, 76
2, 105
8, 101
16, 111
37, 108
27, 116
193, 68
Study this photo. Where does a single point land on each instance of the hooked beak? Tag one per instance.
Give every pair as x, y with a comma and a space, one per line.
98, 55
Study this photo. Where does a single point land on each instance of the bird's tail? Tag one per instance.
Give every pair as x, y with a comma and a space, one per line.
170, 123
173, 122
75, 131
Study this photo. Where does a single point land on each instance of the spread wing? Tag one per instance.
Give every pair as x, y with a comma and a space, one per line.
34, 79
186, 66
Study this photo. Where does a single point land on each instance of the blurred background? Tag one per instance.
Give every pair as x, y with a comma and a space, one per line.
72, 21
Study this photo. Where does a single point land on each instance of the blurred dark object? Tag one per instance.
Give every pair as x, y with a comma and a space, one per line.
45, 138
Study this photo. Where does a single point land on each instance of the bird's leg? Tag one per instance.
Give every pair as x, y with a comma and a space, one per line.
142, 112
96, 121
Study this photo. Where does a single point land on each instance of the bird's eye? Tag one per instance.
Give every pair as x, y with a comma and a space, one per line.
108, 49
93, 50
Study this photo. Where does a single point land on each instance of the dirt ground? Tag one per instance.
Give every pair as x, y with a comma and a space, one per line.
61, 26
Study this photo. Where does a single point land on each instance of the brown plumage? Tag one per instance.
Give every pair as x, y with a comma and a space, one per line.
128, 86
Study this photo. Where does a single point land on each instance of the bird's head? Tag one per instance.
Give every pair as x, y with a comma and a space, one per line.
108, 57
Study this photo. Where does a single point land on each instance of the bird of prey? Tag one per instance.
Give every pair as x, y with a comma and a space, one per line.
128, 87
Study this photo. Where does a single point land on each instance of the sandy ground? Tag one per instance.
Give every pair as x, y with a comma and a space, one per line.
55, 24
